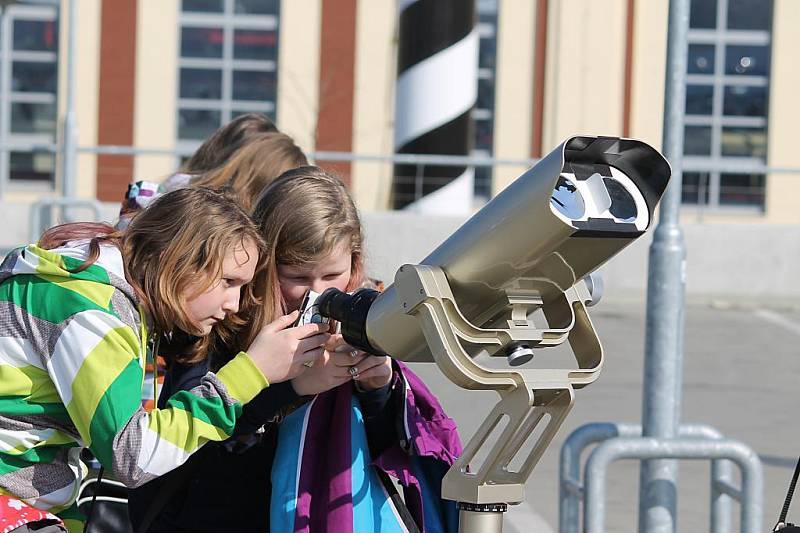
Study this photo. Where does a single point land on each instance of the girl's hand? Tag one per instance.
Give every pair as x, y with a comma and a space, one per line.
370, 372
374, 372
280, 351
328, 371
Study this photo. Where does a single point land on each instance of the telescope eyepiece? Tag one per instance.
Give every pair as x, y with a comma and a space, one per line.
351, 311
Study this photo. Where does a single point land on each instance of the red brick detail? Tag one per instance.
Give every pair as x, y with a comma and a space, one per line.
539, 66
336, 82
628, 80
116, 95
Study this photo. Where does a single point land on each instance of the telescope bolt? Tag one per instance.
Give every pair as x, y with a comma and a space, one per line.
518, 354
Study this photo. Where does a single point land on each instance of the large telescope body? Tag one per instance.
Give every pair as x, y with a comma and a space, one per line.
528, 250
554, 225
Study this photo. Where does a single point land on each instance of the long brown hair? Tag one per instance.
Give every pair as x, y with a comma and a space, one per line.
183, 234
303, 216
224, 142
254, 166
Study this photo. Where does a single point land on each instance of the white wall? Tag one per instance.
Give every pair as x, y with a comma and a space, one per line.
731, 263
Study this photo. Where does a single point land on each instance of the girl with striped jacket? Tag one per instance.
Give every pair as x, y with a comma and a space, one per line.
81, 308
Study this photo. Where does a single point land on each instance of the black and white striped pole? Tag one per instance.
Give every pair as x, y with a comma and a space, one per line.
437, 79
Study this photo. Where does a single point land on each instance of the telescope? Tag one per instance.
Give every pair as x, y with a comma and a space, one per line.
510, 281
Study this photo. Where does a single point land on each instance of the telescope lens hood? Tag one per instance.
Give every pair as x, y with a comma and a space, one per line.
351, 311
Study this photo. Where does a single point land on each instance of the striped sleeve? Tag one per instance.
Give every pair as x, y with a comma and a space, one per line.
98, 373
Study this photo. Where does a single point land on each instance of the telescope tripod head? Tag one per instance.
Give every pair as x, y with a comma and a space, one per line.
528, 397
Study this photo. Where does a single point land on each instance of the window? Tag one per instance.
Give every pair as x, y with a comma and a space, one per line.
727, 102
28, 94
227, 66
483, 114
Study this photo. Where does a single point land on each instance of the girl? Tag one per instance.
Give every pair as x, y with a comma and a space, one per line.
315, 241
245, 172
333, 455
253, 167
220, 147
79, 310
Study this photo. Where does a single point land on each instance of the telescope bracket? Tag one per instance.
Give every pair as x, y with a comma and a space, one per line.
530, 399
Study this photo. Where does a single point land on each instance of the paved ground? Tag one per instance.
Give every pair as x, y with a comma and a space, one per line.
741, 369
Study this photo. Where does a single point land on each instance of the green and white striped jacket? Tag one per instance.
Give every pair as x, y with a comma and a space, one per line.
72, 352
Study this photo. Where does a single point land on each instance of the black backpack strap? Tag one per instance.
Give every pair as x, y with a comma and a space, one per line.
789, 494
94, 498
180, 477
397, 502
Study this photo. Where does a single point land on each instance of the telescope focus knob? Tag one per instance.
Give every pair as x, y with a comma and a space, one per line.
518, 354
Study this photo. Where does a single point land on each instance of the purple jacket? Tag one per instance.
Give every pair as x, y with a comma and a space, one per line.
317, 463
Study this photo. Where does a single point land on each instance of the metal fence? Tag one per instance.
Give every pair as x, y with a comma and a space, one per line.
743, 193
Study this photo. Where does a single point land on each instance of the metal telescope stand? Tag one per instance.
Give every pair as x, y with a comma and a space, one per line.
527, 396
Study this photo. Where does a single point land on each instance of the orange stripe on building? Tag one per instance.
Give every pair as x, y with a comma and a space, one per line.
539, 66
337, 82
627, 82
116, 95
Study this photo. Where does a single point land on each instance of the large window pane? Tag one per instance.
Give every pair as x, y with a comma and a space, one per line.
256, 7
483, 135
485, 94
29, 76
28, 166
699, 99
744, 142
483, 182
695, 188
747, 60
201, 83
36, 35
703, 14
741, 189
701, 59
197, 123
253, 85
203, 6
487, 52
255, 44
745, 101
749, 14
33, 118
697, 140
201, 42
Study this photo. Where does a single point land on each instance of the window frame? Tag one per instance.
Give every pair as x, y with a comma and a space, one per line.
35, 143
716, 164
487, 26
228, 21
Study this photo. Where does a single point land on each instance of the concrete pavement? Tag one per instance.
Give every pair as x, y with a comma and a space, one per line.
741, 369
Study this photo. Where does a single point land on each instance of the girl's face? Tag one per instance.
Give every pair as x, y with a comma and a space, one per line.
332, 270
210, 306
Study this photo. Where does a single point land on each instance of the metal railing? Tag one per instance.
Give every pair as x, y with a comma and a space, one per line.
732, 198
42, 216
624, 441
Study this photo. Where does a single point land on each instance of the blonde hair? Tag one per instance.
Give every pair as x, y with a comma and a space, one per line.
303, 215
254, 166
225, 141
182, 235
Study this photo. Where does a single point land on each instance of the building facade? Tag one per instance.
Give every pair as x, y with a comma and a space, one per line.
161, 75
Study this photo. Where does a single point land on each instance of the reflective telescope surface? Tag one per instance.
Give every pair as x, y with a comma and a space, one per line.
555, 224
